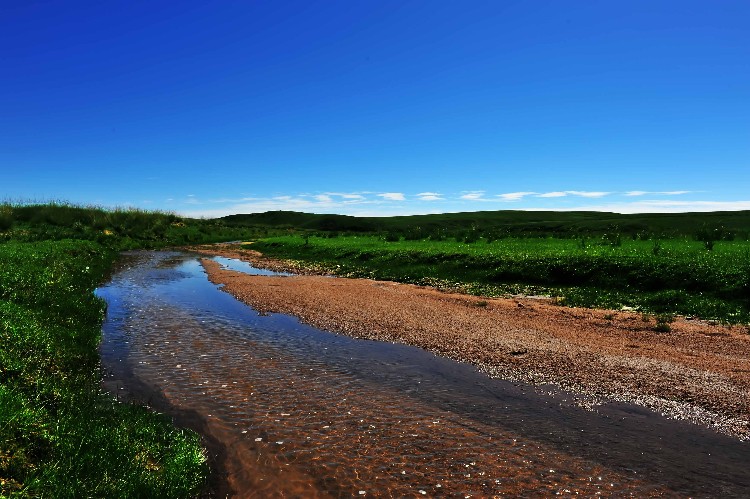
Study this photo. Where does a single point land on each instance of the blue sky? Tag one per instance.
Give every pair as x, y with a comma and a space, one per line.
377, 107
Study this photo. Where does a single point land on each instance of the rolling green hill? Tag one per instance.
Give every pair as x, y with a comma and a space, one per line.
510, 222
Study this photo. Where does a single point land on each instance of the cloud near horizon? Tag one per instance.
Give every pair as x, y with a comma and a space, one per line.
588, 194
392, 196
515, 196
367, 203
472, 195
663, 206
430, 196
663, 193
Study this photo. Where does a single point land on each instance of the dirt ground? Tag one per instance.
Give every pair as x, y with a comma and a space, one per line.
697, 371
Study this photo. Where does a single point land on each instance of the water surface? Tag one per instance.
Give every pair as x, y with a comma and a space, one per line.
302, 412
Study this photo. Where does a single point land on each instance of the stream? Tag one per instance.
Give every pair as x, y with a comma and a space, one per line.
288, 410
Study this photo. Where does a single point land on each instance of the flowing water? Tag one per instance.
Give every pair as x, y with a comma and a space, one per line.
292, 411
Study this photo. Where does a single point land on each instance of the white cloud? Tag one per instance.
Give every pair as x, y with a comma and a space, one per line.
515, 196
345, 195
589, 194
397, 203
392, 196
554, 194
472, 195
429, 196
663, 206
664, 193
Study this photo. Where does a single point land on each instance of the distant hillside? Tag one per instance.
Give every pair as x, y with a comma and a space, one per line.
729, 223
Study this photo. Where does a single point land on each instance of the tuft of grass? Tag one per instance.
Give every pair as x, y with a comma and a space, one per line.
663, 323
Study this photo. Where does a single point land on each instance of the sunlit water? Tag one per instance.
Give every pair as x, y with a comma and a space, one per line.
302, 412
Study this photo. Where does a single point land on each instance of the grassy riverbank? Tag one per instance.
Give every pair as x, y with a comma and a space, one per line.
60, 434
665, 277
119, 228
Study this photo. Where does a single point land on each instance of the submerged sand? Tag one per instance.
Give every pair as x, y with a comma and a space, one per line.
698, 371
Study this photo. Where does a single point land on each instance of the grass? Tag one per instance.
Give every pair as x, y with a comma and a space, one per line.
60, 434
681, 277
510, 223
117, 228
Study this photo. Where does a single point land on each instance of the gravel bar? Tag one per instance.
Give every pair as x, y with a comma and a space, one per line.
698, 371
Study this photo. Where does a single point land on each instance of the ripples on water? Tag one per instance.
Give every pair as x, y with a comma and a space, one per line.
303, 412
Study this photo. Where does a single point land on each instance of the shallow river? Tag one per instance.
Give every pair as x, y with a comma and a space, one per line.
292, 411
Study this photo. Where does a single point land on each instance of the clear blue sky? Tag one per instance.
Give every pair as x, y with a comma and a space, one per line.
377, 107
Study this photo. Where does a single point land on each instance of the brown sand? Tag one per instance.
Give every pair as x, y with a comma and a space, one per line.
697, 371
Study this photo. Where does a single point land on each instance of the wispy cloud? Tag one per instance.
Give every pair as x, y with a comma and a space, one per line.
397, 203
429, 196
472, 195
515, 196
392, 196
346, 195
588, 194
664, 193
664, 206
562, 194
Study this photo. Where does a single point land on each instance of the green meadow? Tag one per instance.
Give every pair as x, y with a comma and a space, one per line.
704, 278
60, 434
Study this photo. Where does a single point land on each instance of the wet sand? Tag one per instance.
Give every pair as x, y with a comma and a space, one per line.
698, 371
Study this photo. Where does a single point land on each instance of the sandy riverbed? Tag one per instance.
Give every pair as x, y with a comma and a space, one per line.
697, 371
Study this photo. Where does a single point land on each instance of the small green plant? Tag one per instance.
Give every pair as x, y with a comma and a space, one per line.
613, 239
656, 247
609, 317
663, 323
708, 236
6, 217
481, 303
471, 236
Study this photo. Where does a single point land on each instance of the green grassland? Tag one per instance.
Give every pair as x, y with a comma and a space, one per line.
60, 434
118, 228
709, 279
